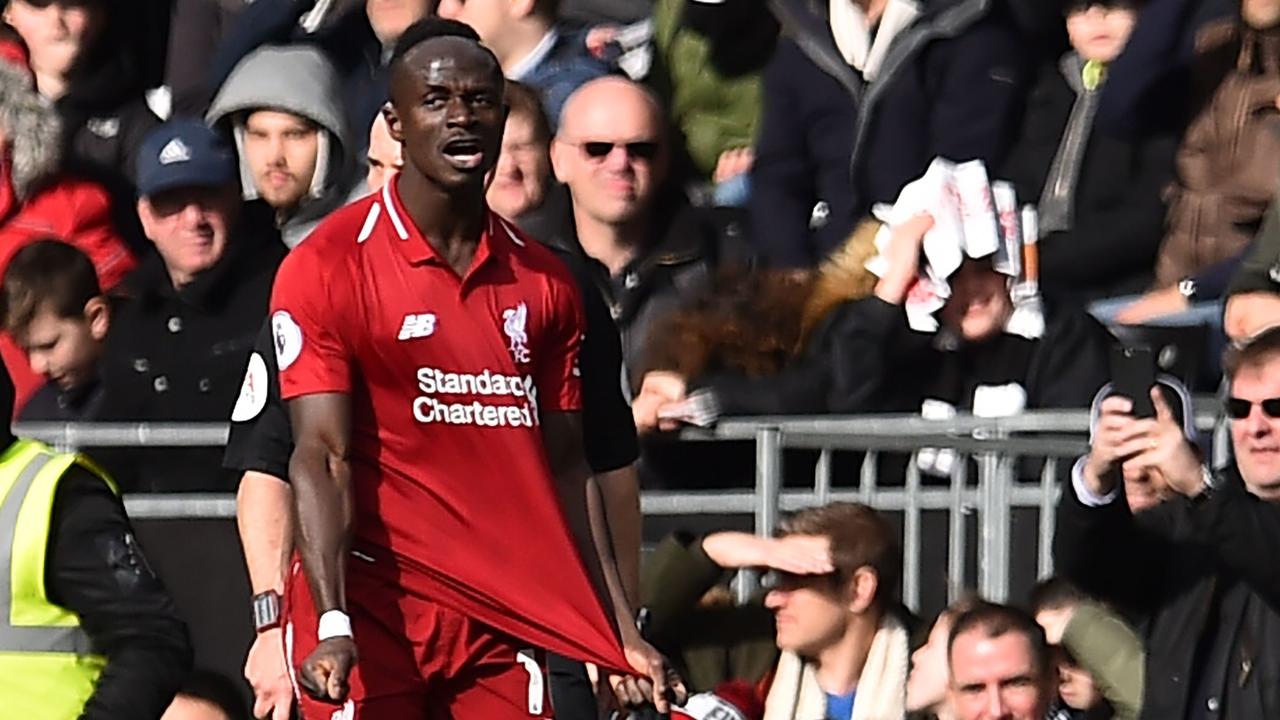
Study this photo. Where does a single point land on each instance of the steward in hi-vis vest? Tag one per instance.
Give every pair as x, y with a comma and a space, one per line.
86, 630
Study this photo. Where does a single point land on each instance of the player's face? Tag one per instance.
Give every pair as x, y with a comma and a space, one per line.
281, 150
996, 678
190, 227
523, 172
447, 112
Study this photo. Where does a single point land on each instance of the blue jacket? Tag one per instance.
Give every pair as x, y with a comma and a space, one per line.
951, 85
566, 68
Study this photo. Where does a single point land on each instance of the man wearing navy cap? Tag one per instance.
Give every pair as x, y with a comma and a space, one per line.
195, 305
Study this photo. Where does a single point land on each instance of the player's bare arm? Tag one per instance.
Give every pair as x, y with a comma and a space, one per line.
585, 513
321, 475
621, 491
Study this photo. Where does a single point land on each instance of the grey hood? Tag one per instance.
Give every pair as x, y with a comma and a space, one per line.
33, 128
300, 80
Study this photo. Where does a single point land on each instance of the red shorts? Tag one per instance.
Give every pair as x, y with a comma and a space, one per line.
416, 660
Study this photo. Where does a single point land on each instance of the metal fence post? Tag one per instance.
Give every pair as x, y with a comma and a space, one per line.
768, 498
994, 480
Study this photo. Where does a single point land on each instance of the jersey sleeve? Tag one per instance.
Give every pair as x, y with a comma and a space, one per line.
261, 437
307, 310
558, 374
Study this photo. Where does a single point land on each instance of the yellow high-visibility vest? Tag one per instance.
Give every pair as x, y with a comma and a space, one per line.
48, 668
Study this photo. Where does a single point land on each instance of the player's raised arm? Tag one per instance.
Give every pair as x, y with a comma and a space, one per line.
321, 475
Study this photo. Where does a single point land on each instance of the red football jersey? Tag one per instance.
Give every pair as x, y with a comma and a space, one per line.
447, 377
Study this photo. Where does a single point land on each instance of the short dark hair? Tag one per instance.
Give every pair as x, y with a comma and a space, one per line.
524, 101
217, 690
1252, 351
995, 621
430, 28
860, 537
1056, 593
49, 274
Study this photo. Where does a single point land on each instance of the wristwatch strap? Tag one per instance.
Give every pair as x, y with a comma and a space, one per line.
266, 610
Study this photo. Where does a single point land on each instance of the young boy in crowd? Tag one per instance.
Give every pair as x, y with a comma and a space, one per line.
56, 311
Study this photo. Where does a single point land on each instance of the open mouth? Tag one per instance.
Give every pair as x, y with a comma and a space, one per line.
464, 153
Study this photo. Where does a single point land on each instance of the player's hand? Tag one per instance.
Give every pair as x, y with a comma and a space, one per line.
268, 675
325, 672
655, 681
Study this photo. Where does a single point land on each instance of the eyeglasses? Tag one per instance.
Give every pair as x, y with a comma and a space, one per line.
639, 150
1239, 408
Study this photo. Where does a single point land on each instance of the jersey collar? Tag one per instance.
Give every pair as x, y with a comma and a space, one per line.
417, 250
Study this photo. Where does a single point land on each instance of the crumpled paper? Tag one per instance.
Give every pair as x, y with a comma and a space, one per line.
973, 218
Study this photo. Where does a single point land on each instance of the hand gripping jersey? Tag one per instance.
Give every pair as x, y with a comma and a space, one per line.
447, 378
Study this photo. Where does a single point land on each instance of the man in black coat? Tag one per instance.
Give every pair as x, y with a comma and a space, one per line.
837, 135
1198, 570
181, 339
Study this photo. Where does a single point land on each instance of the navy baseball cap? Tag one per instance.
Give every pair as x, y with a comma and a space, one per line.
184, 153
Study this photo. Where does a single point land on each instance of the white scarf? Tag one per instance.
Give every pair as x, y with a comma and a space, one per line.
881, 691
852, 32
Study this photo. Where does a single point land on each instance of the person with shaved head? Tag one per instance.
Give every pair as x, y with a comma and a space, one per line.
650, 246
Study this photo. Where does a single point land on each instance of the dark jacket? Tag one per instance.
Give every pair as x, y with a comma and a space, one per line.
866, 359
1259, 271
1118, 213
96, 569
348, 40
1198, 578
53, 404
709, 644
950, 86
567, 66
179, 355
689, 244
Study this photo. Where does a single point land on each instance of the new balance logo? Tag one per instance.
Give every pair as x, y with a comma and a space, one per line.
417, 326
175, 151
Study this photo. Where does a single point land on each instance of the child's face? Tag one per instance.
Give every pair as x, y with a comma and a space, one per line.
66, 350
1099, 32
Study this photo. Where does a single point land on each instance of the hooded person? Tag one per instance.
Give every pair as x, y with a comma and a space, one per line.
283, 107
38, 201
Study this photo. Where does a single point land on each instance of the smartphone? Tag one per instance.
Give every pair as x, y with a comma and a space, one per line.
1133, 374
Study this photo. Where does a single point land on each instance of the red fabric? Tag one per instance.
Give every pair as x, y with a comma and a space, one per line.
74, 211
418, 659
447, 377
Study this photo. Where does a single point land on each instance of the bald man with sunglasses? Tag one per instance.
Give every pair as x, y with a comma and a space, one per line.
649, 245
1199, 568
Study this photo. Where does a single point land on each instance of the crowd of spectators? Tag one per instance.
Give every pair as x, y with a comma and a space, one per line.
749, 188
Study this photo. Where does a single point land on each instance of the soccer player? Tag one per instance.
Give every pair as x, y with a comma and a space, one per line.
428, 354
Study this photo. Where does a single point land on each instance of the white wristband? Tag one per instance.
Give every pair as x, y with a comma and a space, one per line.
333, 623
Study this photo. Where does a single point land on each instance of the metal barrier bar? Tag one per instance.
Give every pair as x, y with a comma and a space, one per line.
955, 529
911, 538
1048, 502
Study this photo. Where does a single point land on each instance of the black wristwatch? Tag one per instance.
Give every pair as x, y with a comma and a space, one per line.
266, 611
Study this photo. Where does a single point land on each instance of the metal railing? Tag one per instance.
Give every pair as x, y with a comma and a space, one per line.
989, 479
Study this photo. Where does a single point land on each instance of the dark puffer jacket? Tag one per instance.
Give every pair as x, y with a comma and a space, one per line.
950, 86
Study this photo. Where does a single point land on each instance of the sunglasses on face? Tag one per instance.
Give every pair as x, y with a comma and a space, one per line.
1239, 408
640, 150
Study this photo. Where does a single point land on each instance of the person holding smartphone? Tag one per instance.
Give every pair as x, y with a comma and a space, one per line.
1198, 568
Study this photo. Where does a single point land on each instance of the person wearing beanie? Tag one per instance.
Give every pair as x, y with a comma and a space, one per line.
39, 199
180, 339
99, 636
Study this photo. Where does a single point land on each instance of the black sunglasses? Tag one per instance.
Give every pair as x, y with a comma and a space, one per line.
641, 150
1239, 408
